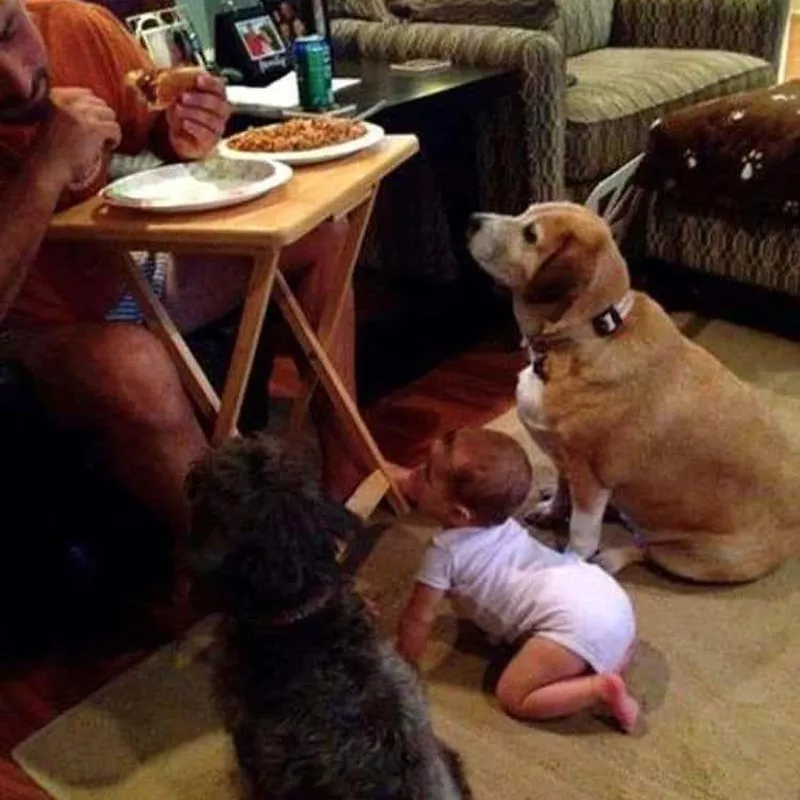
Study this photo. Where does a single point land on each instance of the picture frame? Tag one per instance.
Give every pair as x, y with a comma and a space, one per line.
293, 19
169, 37
249, 41
258, 41
260, 37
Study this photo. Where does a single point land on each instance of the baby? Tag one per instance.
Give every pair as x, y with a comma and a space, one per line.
573, 623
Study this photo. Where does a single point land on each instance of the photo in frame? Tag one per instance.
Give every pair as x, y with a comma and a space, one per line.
260, 37
297, 18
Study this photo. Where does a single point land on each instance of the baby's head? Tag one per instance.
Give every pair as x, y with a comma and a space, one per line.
472, 477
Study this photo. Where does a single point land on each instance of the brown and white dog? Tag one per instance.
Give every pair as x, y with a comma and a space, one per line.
629, 408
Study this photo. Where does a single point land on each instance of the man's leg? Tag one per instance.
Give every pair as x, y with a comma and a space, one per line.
118, 380
342, 470
203, 288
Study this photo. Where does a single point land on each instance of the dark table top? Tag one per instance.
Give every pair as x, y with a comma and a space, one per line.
403, 95
379, 82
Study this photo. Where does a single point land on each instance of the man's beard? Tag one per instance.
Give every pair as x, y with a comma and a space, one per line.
16, 111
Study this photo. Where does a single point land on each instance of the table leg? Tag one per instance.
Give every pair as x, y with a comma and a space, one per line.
265, 269
343, 403
191, 373
358, 221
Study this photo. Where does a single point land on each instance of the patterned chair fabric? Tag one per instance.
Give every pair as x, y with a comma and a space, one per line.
764, 253
620, 93
371, 10
550, 141
519, 142
744, 26
583, 25
718, 190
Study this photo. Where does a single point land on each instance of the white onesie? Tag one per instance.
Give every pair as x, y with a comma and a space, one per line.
510, 585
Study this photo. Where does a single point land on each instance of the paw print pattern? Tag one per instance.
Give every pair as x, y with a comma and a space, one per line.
792, 208
751, 164
691, 158
736, 115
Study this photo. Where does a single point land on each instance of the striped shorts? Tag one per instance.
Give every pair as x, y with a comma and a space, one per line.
154, 268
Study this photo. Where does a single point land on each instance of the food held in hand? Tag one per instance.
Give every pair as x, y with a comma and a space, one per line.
302, 133
161, 88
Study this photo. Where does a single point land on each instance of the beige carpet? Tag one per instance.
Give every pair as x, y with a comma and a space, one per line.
718, 673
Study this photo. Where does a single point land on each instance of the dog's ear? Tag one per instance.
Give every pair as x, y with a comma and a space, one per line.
582, 277
561, 278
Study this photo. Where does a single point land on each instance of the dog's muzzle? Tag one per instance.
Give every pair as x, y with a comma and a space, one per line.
476, 222
480, 241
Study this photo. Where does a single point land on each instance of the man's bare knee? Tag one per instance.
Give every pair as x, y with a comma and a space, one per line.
318, 247
133, 378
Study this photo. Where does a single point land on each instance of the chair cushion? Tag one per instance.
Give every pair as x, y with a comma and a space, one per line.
621, 92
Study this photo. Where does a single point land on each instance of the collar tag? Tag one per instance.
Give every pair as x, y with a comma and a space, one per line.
608, 322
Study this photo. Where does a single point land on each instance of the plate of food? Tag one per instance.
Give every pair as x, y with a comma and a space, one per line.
303, 140
197, 186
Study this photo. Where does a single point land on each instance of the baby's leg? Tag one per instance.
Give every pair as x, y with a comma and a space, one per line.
545, 680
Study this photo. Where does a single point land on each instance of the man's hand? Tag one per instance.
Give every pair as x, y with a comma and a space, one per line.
196, 123
76, 137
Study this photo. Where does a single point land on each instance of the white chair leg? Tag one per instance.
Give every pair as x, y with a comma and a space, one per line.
613, 185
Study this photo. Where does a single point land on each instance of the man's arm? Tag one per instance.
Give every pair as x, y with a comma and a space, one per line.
417, 621
79, 130
189, 130
27, 203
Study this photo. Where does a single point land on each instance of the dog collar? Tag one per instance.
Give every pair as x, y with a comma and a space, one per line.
602, 325
294, 615
610, 321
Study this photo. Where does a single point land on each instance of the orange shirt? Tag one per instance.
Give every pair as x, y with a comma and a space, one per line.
87, 46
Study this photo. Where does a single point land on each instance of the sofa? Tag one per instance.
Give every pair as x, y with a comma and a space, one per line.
590, 77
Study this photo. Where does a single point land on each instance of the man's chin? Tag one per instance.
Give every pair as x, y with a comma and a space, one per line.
28, 114
34, 108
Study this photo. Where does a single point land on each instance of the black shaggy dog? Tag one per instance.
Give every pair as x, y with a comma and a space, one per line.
316, 706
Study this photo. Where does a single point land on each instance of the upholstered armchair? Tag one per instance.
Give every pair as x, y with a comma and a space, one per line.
589, 76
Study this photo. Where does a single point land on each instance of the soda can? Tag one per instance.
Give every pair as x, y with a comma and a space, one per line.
312, 58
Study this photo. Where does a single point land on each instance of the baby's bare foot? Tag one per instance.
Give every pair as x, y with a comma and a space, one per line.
622, 706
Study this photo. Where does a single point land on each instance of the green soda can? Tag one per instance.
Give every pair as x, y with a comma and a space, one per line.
312, 58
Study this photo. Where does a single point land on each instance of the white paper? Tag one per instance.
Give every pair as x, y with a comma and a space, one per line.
282, 93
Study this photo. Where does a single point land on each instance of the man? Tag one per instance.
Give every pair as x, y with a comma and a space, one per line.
63, 110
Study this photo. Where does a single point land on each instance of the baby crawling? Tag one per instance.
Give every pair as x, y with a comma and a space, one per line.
572, 623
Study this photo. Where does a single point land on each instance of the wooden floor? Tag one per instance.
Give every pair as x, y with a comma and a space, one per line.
468, 390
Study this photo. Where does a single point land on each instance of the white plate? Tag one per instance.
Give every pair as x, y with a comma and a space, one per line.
197, 186
373, 135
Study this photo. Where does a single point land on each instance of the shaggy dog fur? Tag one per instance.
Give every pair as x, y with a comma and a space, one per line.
316, 706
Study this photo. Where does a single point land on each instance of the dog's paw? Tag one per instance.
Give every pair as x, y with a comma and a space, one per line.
371, 607
582, 552
615, 559
550, 512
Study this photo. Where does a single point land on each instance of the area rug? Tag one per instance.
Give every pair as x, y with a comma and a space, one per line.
717, 674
